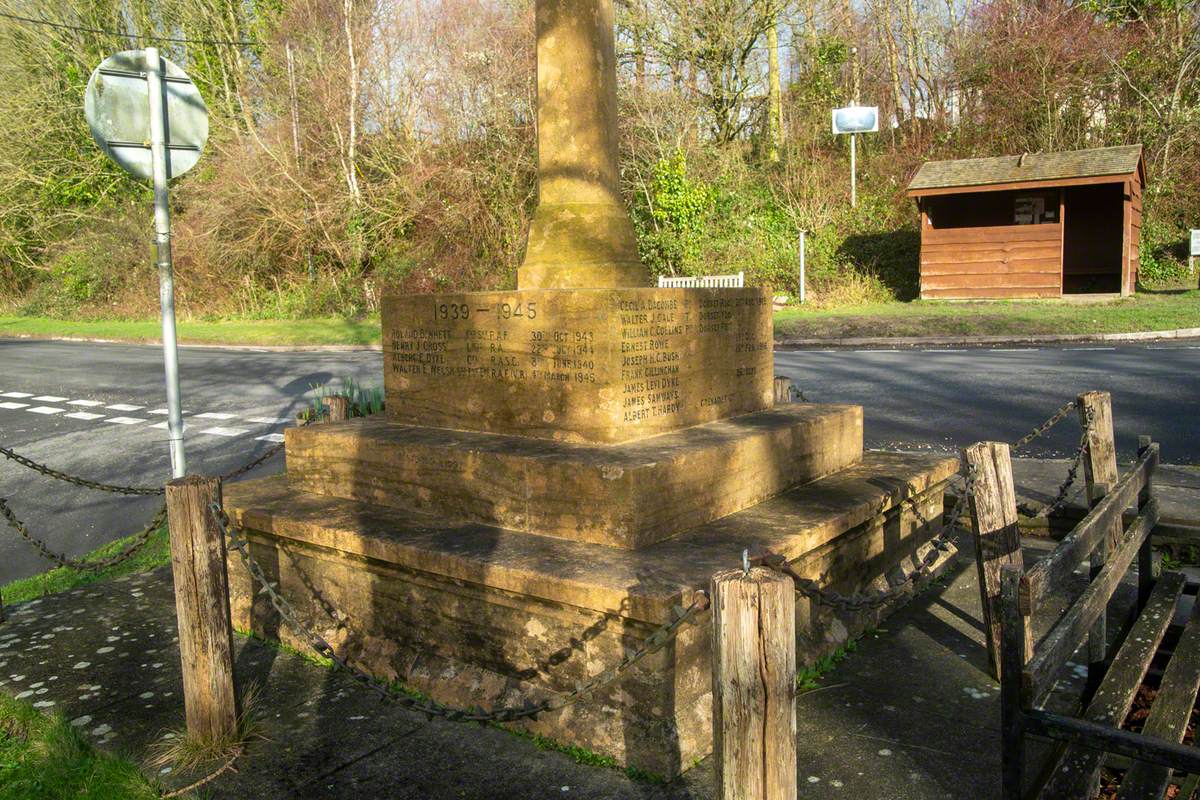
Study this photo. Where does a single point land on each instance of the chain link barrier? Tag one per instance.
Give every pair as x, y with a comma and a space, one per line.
655, 641
61, 559
50, 472
1062, 496
146, 491
141, 537
1041, 430
861, 601
945, 540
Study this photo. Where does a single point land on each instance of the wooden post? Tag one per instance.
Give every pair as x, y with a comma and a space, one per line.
754, 684
783, 389
1100, 460
338, 407
202, 608
1012, 730
993, 507
1100, 472
1145, 561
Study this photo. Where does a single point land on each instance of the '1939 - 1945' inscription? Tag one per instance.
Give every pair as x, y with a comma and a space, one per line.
643, 346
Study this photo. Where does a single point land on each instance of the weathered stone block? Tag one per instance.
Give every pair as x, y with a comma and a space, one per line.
628, 495
581, 365
480, 616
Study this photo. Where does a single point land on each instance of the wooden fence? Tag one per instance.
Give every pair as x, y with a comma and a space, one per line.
735, 281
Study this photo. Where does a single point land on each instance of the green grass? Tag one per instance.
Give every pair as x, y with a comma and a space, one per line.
810, 677
1143, 312
308, 332
154, 553
42, 756
1146, 311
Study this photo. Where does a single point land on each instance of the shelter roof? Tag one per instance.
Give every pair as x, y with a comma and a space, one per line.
1031, 167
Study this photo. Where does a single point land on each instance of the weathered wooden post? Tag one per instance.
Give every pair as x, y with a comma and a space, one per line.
338, 407
783, 389
754, 684
993, 505
1100, 472
1146, 561
202, 608
1100, 458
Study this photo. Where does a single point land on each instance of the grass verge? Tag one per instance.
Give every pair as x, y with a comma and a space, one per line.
1142, 312
1146, 311
282, 332
155, 553
42, 756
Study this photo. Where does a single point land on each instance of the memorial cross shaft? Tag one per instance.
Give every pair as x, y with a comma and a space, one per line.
581, 235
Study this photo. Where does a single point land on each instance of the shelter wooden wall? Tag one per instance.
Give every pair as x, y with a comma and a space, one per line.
991, 261
1133, 232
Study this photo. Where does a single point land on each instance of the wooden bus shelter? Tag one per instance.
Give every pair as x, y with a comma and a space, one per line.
1035, 225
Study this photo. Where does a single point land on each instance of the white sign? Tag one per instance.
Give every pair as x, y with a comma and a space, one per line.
117, 107
856, 119
1196, 243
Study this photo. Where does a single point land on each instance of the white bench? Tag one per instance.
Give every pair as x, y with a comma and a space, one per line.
705, 281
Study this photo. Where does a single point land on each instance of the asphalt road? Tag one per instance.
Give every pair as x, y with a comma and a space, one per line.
933, 399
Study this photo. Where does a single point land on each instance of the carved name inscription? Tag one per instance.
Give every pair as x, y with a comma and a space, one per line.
585, 365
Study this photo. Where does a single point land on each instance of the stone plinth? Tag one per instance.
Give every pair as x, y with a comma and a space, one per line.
583, 365
627, 495
479, 616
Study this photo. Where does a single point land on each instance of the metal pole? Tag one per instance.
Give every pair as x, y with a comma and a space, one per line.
802, 232
162, 247
853, 179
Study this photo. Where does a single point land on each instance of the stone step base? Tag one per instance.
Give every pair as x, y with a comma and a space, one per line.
476, 615
629, 495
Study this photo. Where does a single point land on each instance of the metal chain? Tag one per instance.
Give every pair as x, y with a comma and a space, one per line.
1040, 430
267, 455
270, 452
149, 491
62, 560
939, 544
1061, 497
656, 640
85, 483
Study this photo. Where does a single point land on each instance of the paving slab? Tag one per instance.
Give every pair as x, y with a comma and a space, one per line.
912, 714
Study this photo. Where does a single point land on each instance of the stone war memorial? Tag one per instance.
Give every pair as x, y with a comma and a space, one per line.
562, 464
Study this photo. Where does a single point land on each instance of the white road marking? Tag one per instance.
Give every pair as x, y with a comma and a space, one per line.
269, 420
125, 407
162, 411
84, 415
225, 431
1090, 348
270, 437
1015, 349
45, 410
16, 394
945, 351
215, 415
124, 420
85, 403
166, 425
13, 406
49, 398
